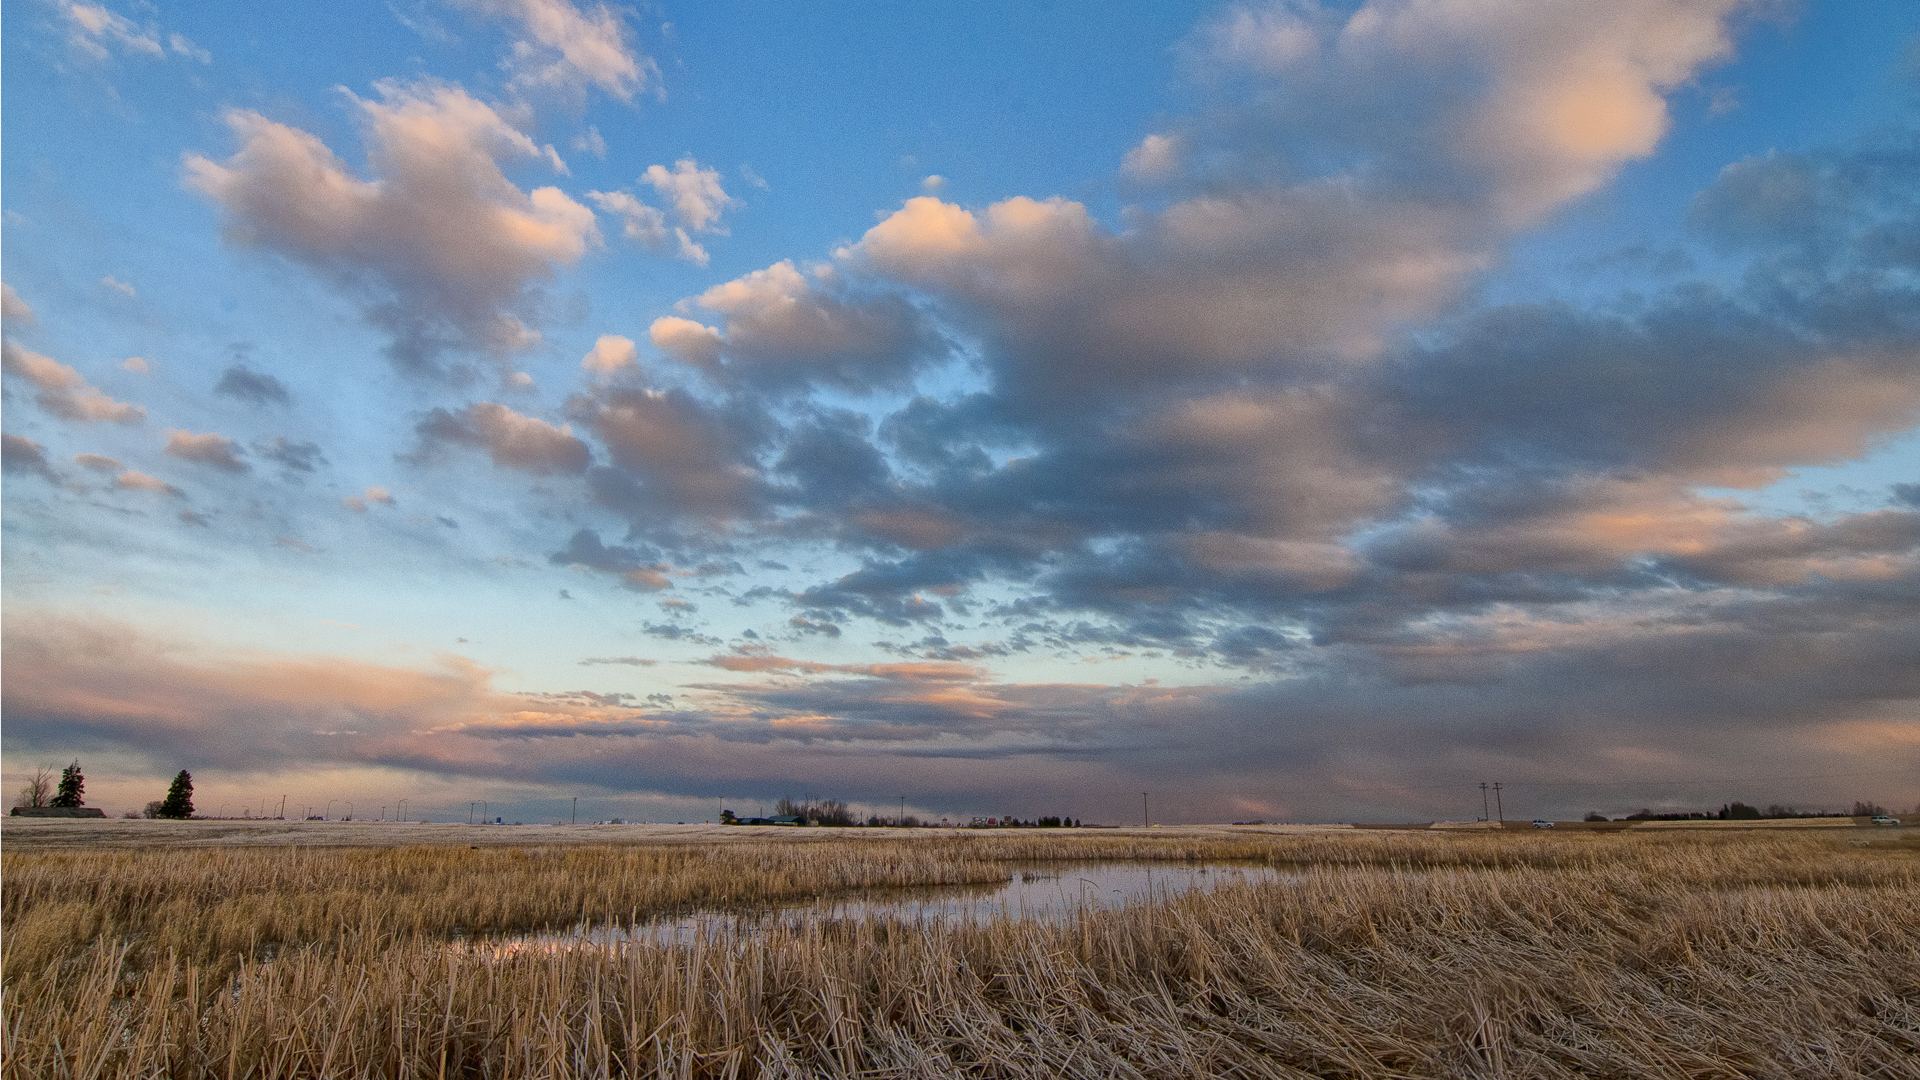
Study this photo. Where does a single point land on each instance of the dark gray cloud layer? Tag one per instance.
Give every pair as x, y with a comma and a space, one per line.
1262, 429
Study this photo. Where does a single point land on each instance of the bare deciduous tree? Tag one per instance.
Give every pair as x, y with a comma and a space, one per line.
38, 790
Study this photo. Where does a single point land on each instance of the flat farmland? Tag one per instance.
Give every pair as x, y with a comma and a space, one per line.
306, 949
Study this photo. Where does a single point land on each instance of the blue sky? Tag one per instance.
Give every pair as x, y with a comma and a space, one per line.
1309, 411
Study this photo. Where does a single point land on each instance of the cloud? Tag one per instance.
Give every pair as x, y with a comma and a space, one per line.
1350, 743
784, 330
570, 49
639, 569
12, 308
1259, 427
513, 441
97, 462
647, 226
1156, 157
693, 192
672, 455
120, 287
371, 497
1529, 106
610, 355
294, 456
255, 387
697, 200
19, 454
63, 392
92, 28
181, 45
139, 481
210, 449
442, 247
139, 365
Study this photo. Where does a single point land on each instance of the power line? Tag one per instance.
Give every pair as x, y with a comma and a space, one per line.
1535, 784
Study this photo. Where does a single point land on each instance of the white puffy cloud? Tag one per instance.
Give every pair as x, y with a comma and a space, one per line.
1380, 159
570, 49
696, 198
443, 244
63, 391
693, 192
691, 343
611, 353
647, 226
783, 328
1157, 156
1247, 281
1538, 102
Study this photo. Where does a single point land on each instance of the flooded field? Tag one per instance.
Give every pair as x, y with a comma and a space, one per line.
1369, 954
1050, 894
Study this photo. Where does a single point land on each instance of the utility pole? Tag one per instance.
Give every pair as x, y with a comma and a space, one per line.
403, 811
383, 813
902, 820
470, 813
1497, 805
486, 812
575, 819
1486, 809
1146, 822
283, 808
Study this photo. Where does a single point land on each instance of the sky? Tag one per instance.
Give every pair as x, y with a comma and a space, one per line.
1294, 412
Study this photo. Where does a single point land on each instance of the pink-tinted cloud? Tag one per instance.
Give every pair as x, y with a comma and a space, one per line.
64, 392
444, 246
568, 48
513, 441
211, 449
138, 481
12, 308
785, 328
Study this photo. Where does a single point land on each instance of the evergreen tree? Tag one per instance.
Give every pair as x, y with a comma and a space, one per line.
72, 786
179, 800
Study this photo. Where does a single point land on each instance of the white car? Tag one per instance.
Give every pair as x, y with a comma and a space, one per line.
1884, 820
1543, 824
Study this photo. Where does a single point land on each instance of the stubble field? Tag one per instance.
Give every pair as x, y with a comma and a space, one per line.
1377, 954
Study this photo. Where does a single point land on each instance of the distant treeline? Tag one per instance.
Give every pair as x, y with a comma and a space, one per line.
1739, 811
833, 813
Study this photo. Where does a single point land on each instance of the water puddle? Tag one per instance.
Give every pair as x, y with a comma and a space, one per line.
1052, 894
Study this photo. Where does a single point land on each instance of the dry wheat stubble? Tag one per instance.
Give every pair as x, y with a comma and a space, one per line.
1384, 955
